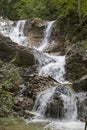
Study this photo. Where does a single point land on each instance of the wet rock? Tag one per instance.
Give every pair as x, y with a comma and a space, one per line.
81, 84
55, 106
21, 104
28, 114
10, 51
34, 29
82, 107
76, 62
36, 84
30, 70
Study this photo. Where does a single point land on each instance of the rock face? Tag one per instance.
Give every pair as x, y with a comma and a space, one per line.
82, 107
81, 84
35, 31
20, 55
35, 84
76, 62
76, 65
21, 104
61, 33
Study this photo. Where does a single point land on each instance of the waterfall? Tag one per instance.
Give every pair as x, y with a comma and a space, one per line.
42, 99
17, 33
70, 106
14, 30
55, 69
53, 66
47, 35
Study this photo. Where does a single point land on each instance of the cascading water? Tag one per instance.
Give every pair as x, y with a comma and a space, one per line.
55, 69
46, 39
14, 30
49, 65
42, 99
16, 33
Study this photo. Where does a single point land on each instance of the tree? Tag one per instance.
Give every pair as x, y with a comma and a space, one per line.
45, 9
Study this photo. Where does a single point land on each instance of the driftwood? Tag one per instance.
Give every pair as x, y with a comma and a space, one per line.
10, 51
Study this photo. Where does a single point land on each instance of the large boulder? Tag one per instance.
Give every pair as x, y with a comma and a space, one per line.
34, 30
35, 84
81, 84
10, 51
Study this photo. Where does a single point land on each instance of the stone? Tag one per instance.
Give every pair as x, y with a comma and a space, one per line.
22, 104
10, 51
81, 84
34, 29
76, 62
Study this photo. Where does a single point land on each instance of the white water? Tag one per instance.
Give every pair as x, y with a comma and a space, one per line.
46, 40
70, 106
49, 65
42, 99
64, 125
14, 30
55, 69
16, 33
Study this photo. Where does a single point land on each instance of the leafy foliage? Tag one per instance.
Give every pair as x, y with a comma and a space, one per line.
9, 82
6, 99
45, 9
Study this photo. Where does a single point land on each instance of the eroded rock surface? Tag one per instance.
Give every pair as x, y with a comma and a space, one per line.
18, 54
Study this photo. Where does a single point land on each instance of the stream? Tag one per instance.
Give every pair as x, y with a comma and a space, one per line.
49, 65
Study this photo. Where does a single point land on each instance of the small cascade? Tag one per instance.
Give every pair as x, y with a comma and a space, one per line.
58, 103
70, 108
17, 33
46, 41
5, 27
14, 30
55, 69
42, 99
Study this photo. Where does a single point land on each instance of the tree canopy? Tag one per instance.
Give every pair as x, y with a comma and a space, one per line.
45, 9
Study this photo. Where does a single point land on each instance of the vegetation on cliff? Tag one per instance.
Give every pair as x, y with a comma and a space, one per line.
45, 9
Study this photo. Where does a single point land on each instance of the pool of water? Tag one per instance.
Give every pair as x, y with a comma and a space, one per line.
20, 124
